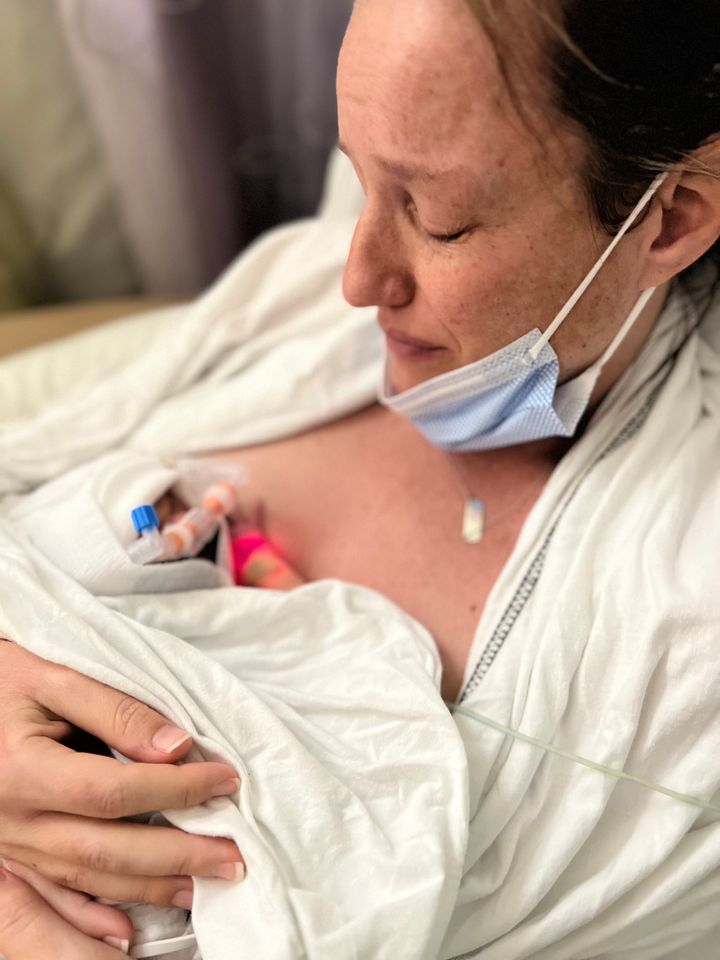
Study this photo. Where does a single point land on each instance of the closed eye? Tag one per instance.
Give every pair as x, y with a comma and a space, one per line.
449, 237
445, 238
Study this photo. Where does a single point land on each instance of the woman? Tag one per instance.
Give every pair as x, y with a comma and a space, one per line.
498, 161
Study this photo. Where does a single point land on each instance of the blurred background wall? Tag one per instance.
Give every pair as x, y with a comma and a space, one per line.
144, 143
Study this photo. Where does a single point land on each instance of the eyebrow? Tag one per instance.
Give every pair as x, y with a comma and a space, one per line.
409, 172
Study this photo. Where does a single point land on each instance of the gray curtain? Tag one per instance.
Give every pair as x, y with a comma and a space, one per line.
211, 120
257, 77
218, 117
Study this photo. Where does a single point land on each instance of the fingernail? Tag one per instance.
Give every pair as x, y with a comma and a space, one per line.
226, 788
168, 739
123, 945
230, 871
183, 899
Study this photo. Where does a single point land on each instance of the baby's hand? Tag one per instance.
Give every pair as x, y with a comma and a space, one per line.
258, 563
170, 508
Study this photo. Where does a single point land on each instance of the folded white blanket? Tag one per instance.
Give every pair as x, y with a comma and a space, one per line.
598, 643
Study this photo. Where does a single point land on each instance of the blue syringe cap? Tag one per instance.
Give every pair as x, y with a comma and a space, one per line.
145, 518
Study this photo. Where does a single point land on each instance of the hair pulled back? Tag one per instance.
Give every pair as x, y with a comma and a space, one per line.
641, 78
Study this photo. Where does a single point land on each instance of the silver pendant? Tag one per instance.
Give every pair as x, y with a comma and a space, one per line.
473, 526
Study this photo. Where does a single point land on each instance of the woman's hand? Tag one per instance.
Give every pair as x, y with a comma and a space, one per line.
34, 928
95, 920
59, 809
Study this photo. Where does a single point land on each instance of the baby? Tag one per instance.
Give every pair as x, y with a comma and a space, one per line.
183, 532
325, 697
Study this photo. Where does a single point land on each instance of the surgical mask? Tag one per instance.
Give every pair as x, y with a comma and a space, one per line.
513, 396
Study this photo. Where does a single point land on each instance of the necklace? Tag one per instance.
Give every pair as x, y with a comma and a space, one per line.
474, 521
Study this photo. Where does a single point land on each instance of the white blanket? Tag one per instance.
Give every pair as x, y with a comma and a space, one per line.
353, 811
600, 640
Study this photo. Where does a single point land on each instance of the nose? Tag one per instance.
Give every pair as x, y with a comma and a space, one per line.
377, 273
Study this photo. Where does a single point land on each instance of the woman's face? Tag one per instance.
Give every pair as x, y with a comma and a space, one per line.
475, 229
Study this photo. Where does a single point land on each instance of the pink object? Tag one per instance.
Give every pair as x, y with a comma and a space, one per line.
246, 545
257, 563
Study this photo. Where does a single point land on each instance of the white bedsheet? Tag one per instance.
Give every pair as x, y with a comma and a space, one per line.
599, 639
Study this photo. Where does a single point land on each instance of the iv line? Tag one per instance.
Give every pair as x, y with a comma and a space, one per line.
591, 764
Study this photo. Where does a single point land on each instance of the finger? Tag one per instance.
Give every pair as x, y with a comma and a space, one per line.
30, 928
110, 887
93, 919
133, 728
91, 786
164, 508
131, 849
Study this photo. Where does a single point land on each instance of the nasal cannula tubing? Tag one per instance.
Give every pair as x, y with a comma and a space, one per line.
583, 761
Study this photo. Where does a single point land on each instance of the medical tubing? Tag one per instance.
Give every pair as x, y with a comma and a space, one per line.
187, 536
149, 547
158, 948
583, 761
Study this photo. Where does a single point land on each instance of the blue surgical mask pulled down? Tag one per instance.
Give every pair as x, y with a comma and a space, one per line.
513, 395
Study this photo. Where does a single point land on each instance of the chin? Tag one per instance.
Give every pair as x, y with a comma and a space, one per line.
404, 376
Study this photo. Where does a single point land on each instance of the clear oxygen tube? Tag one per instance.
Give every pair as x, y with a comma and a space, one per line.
462, 713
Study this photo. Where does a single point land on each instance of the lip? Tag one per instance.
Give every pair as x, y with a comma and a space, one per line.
401, 345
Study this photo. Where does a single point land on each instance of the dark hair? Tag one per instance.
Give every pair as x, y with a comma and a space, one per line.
642, 80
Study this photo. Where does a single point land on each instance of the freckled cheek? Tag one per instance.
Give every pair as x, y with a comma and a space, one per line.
444, 297
476, 308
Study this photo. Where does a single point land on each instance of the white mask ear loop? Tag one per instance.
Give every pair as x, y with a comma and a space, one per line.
570, 305
625, 328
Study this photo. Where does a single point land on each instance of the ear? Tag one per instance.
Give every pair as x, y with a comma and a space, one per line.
690, 219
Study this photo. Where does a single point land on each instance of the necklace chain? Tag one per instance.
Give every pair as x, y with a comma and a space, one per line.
475, 523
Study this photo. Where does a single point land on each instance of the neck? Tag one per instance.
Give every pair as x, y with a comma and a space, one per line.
527, 459
631, 347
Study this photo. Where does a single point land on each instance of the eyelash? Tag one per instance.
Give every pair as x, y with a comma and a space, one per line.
449, 237
444, 238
